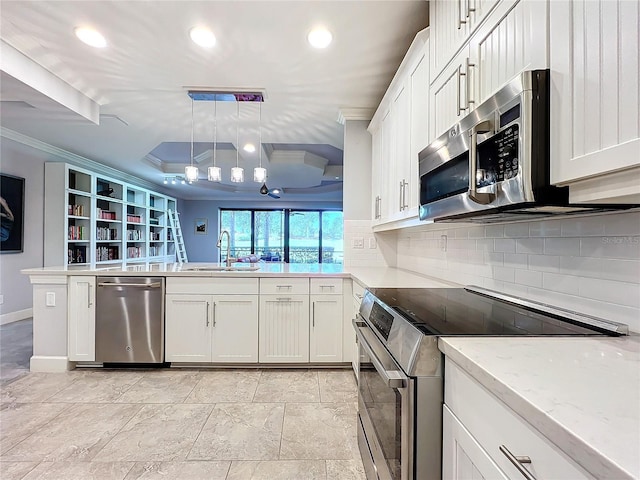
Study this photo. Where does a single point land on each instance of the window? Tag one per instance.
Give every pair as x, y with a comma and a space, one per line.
293, 236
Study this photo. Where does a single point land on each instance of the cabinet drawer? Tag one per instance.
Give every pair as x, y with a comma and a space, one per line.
493, 424
326, 285
358, 291
212, 286
284, 285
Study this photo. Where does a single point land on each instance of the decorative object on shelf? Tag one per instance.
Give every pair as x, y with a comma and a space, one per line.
11, 214
191, 171
106, 192
237, 173
200, 226
260, 173
214, 173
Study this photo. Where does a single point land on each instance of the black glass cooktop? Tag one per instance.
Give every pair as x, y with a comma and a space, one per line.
457, 311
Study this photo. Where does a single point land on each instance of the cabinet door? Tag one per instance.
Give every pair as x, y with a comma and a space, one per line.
284, 329
450, 94
235, 328
513, 39
462, 455
325, 338
82, 319
388, 131
448, 32
420, 135
595, 120
400, 168
376, 173
188, 328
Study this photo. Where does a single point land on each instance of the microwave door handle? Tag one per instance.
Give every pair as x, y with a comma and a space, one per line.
483, 198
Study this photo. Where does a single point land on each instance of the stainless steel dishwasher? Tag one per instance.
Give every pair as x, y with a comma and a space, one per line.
130, 320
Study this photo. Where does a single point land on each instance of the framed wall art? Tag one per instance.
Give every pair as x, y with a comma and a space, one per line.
11, 214
201, 226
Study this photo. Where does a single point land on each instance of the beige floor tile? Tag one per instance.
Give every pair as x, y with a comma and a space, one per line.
15, 470
225, 386
288, 386
278, 470
337, 386
240, 431
161, 387
77, 434
319, 431
157, 433
80, 471
179, 471
19, 420
98, 387
345, 470
37, 387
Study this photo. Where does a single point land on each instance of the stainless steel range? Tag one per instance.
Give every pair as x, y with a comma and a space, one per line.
400, 376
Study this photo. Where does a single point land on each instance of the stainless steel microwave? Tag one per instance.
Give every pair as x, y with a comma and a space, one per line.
493, 165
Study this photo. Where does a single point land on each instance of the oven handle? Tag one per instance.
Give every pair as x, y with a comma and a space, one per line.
394, 378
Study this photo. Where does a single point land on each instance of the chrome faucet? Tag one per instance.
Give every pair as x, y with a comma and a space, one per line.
219, 245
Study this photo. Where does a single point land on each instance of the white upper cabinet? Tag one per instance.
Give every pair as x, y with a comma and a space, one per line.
595, 120
399, 131
452, 22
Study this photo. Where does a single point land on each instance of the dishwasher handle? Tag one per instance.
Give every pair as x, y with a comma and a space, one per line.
134, 285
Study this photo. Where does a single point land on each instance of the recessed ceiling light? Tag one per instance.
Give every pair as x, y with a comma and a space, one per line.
249, 147
202, 36
91, 37
320, 37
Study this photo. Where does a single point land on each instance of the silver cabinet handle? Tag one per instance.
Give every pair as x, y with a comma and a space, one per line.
481, 198
207, 314
134, 285
460, 20
288, 287
467, 81
458, 94
89, 289
404, 194
214, 314
470, 8
400, 191
313, 314
518, 462
283, 299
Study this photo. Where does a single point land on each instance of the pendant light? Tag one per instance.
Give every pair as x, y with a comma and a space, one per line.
237, 173
214, 174
259, 173
190, 171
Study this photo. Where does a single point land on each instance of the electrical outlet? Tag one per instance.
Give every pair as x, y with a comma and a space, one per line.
443, 243
51, 299
372, 243
358, 242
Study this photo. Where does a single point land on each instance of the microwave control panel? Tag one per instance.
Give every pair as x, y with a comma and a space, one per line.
498, 157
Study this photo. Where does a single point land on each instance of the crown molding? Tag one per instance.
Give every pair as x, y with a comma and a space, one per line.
74, 159
345, 114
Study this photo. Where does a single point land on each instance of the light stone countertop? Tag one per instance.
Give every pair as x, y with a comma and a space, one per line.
583, 394
374, 277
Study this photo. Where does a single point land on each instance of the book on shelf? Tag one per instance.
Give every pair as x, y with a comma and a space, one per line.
76, 210
106, 214
131, 218
77, 254
77, 232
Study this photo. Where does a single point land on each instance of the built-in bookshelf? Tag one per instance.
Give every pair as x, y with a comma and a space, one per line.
91, 219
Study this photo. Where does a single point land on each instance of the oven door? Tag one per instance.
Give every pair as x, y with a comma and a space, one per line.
385, 410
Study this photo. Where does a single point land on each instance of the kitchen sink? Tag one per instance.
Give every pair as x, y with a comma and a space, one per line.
247, 268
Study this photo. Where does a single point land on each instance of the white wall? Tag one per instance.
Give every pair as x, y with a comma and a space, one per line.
28, 163
587, 264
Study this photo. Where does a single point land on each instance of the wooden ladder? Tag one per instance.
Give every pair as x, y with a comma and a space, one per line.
178, 239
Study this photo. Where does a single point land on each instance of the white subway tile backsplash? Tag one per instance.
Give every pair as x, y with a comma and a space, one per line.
505, 245
561, 246
530, 245
582, 227
516, 260
504, 274
494, 231
581, 266
621, 270
544, 263
485, 245
528, 277
560, 283
516, 230
622, 224
548, 228
621, 293
494, 258
610, 247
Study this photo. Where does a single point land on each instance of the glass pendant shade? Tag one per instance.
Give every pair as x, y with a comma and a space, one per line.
191, 173
237, 175
214, 174
259, 174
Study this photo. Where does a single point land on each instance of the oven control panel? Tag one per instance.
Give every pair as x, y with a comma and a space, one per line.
381, 320
498, 157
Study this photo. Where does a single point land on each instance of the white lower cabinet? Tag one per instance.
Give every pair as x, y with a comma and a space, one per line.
82, 319
462, 456
482, 436
325, 337
284, 329
211, 328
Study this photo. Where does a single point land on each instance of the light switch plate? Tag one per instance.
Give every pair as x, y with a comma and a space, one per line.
372, 243
51, 299
358, 242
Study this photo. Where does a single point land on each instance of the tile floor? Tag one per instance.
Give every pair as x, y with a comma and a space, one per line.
180, 424
16, 348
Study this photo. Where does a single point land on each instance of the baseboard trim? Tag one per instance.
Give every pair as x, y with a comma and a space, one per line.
16, 316
41, 363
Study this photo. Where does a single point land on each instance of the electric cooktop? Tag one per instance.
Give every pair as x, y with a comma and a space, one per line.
476, 311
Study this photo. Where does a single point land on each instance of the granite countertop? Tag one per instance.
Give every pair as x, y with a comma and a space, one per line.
583, 394
374, 277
